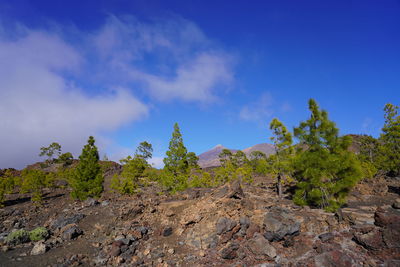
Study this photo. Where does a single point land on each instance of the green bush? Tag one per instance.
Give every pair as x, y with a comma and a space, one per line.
7, 185
39, 233
33, 181
18, 237
133, 170
202, 179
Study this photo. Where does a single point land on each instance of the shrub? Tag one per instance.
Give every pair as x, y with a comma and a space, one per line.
133, 170
66, 159
33, 181
39, 233
18, 237
7, 184
202, 179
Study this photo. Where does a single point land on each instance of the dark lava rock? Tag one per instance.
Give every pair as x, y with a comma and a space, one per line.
279, 223
62, 221
326, 237
224, 225
387, 217
72, 232
229, 252
167, 231
372, 240
236, 190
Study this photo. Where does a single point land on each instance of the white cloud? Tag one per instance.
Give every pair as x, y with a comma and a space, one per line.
259, 110
157, 162
54, 90
38, 105
184, 64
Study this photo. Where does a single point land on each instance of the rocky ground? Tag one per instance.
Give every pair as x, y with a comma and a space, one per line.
233, 225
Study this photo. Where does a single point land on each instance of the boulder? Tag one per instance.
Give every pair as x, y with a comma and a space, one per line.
261, 247
334, 258
39, 248
71, 232
235, 190
224, 225
279, 223
230, 251
62, 221
386, 218
371, 240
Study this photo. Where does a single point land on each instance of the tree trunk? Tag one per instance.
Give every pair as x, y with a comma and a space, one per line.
279, 185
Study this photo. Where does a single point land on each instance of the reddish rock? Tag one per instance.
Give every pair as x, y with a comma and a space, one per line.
388, 217
253, 228
333, 259
391, 237
372, 240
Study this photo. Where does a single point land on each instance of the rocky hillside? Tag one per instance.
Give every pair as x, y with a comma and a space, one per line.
210, 158
232, 225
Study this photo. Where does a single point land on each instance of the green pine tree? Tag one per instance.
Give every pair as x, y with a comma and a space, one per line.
282, 140
389, 159
324, 167
177, 163
87, 180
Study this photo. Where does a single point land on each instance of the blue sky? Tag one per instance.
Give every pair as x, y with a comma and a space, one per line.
125, 71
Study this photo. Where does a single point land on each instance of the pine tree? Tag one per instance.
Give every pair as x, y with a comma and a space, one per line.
177, 163
50, 151
282, 140
87, 180
325, 169
390, 139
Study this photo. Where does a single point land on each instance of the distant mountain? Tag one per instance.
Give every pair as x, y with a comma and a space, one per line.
268, 149
210, 158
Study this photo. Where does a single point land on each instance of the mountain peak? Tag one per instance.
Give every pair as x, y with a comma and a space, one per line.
218, 146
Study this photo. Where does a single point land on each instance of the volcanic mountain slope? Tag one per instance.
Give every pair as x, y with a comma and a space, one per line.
210, 158
268, 149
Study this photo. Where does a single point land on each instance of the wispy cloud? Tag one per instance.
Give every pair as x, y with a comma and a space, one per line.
170, 59
259, 110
